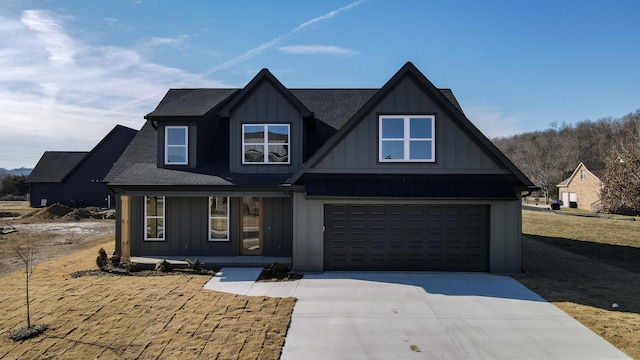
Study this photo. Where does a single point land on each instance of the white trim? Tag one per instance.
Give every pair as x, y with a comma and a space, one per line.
407, 139
185, 146
218, 217
164, 204
265, 143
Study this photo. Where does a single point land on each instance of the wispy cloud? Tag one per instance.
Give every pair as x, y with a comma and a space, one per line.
494, 122
317, 50
259, 49
155, 41
60, 93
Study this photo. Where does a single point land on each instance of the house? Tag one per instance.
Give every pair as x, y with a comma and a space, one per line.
75, 178
395, 178
583, 187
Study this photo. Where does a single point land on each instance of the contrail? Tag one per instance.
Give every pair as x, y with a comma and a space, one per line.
253, 52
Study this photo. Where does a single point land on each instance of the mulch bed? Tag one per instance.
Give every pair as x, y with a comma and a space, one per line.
27, 332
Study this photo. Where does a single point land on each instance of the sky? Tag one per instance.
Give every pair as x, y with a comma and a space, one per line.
70, 70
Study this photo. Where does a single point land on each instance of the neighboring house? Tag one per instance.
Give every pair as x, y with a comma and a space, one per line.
395, 178
583, 187
75, 178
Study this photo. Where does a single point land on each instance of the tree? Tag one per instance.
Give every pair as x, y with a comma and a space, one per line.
621, 181
14, 185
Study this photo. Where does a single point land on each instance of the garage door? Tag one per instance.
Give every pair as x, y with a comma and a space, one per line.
406, 237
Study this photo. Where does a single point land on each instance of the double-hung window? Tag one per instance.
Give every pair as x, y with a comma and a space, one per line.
265, 143
176, 146
218, 218
154, 218
406, 138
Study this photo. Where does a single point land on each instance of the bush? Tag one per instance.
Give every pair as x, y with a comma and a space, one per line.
102, 260
129, 266
115, 260
164, 266
194, 264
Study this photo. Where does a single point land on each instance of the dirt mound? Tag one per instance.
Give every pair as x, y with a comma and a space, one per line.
62, 212
51, 212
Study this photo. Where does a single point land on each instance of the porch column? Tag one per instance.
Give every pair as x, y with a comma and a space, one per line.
125, 202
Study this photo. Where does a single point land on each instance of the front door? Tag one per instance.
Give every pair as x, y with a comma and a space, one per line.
251, 226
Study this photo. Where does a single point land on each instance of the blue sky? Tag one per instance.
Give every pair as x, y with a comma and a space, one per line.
71, 70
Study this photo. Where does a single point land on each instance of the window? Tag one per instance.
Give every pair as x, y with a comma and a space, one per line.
583, 174
218, 218
176, 145
406, 138
265, 144
154, 218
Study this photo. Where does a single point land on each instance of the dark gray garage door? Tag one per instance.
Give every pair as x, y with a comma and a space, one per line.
406, 237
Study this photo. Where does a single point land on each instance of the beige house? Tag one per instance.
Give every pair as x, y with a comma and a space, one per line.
582, 188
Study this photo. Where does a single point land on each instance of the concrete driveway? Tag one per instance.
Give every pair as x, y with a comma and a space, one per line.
404, 315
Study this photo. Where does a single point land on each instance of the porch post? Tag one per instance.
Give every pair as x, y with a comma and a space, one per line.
125, 228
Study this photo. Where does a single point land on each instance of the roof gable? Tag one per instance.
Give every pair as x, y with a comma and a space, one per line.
262, 76
55, 166
595, 168
440, 99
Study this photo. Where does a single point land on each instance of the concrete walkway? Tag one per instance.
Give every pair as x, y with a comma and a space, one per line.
404, 315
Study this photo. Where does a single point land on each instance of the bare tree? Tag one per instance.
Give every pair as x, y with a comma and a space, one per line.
27, 252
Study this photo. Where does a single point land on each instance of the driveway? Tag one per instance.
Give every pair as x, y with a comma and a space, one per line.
405, 315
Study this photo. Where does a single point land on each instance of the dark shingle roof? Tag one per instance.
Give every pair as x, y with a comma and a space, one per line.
596, 168
141, 150
190, 102
333, 106
54, 166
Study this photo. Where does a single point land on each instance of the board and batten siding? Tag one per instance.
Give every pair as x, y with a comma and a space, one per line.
266, 105
455, 151
504, 231
187, 225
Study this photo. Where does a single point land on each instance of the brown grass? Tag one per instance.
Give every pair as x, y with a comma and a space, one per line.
137, 317
584, 265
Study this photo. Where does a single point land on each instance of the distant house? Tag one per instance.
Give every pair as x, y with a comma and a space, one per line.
395, 178
582, 188
74, 178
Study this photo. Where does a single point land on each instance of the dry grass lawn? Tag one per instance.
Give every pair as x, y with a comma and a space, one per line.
584, 265
137, 317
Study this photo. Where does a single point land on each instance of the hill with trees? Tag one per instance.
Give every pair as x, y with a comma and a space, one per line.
549, 156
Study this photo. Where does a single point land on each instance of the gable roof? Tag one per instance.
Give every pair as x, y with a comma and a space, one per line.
265, 75
56, 166
189, 103
444, 101
594, 167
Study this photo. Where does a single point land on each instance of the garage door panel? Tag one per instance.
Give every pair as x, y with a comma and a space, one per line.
406, 237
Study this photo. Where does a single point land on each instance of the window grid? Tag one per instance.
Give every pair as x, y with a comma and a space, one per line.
270, 147
408, 142
183, 144
218, 218
154, 218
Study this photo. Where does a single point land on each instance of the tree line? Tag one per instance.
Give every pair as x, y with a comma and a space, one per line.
549, 156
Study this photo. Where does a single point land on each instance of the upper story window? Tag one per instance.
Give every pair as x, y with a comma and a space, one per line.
406, 138
218, 218
583, 174
265, 143
154, 218
176, 147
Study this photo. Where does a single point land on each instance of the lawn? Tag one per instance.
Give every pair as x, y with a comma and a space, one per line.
137, 317
583, 265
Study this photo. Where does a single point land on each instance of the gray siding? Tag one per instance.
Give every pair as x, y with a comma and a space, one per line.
455, 151
266, 105
186, 228
505, 219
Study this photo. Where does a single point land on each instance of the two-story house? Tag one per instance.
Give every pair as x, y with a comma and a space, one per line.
395, 178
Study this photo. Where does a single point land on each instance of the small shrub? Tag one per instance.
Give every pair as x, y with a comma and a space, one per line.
129, 266
115, 259
164, 266
102, 260
194, 264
